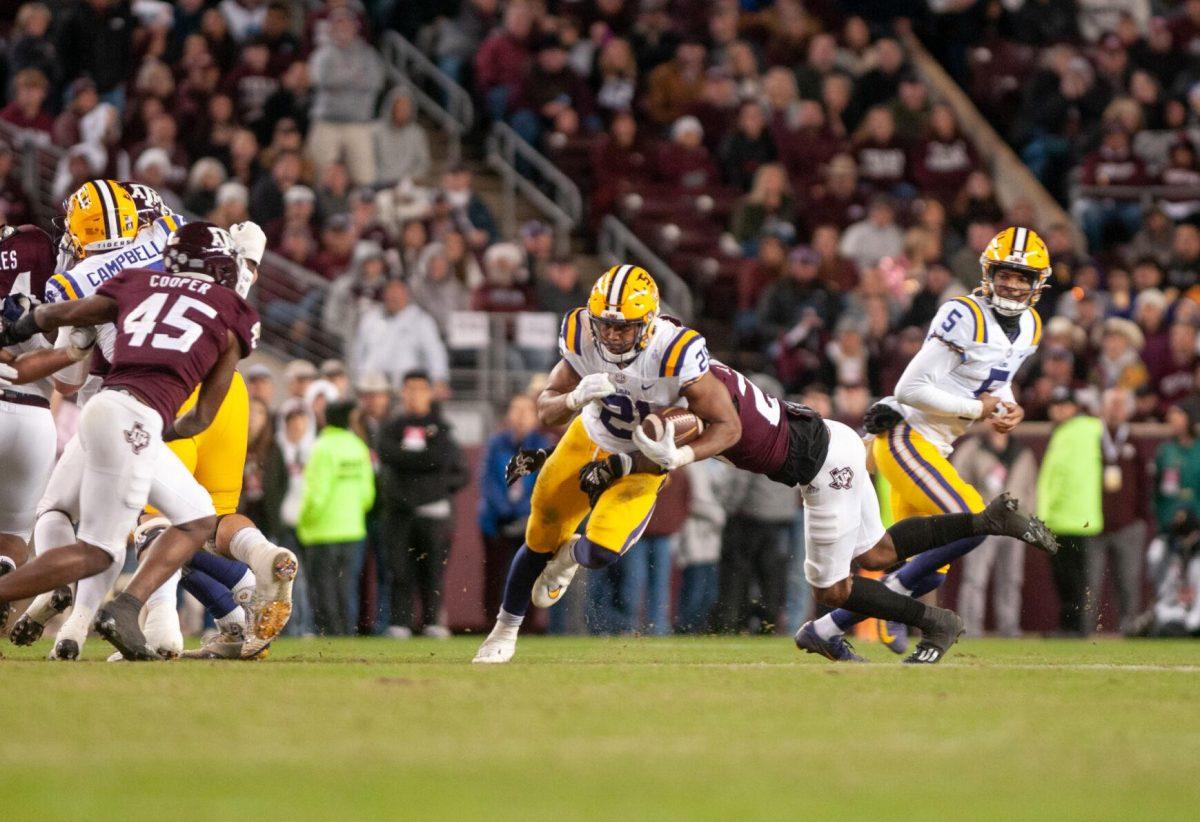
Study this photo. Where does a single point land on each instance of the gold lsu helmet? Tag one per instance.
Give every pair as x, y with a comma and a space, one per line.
1020, 250
624, 295
101, 216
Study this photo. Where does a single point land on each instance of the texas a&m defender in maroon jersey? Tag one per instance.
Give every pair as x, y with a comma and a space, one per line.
176, 330
792, 444
27, 437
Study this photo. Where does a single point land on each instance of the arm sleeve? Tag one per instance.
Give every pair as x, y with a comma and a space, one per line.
918, 385
692, 358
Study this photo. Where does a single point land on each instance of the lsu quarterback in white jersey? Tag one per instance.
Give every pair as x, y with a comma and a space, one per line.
963, 373
620, 361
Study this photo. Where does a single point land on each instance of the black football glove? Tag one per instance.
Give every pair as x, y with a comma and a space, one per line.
596, 477
16, 320
881, 418
525, 462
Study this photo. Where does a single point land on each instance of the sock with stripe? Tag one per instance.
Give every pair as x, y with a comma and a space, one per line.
228, 572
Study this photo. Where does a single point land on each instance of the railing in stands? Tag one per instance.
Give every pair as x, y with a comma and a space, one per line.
526, 170
1144, 194
407, 65
36, 163
617, 244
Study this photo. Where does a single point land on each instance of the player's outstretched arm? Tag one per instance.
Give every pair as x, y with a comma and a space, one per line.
212, 392
92, 310
709, 400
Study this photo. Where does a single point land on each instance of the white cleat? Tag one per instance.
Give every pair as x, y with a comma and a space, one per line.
498, 648
271, 606
552, 583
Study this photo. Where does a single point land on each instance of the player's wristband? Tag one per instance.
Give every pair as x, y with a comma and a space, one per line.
686, 456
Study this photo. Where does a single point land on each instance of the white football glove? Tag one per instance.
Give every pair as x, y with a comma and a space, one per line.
250, 240
591, 388
8, 374
663, 452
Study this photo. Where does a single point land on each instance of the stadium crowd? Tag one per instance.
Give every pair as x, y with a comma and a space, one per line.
783, 157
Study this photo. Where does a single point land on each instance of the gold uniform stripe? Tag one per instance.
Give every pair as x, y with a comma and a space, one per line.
980, 329
572, 329
66, 286
1037, 326
677, 349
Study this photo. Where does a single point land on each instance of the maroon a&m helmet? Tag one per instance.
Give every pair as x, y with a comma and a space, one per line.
202, 250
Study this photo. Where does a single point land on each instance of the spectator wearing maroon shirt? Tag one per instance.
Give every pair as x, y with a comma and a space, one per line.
1182, 171
252, 82
26, 111
550, 87
882, 158
1113, 164
337, 247
503, 60
299, 212
747, 147
840, 201
619, 158
1172, 373
942, 161
684, 161
839, 273
503, 289
716, 106
804, 142
754, 277
161, 133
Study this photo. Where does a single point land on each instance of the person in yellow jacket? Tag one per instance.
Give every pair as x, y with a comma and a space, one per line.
339, 490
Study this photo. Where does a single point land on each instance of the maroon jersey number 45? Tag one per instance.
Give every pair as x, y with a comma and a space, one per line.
171, 329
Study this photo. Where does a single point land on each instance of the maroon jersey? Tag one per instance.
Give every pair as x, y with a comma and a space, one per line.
782, 440
26, 261
171, 330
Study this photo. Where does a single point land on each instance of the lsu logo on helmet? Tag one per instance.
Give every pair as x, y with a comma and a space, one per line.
101, 216
625, 295
1019, 250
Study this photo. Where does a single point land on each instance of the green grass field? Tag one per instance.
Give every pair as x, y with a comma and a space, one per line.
606, 728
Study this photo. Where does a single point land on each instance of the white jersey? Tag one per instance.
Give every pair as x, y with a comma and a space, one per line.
674, 357
987, 362
87, 275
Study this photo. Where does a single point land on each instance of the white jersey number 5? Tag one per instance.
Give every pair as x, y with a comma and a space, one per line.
143, 321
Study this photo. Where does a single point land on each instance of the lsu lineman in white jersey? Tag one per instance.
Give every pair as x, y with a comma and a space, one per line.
620, 361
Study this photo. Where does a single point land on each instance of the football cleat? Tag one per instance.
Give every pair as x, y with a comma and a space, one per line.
1003, 518
64, 650
117, 622
498, 648
837, 648
436, 632
224, 646
32, 623
554, 579
894, 635
271, 606
942, 631
5, 608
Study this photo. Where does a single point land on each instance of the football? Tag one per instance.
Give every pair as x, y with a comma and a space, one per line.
687, 425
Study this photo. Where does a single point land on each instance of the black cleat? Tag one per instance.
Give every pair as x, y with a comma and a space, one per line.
117, 622
65, 650
1003, 518
29, 630
943, 630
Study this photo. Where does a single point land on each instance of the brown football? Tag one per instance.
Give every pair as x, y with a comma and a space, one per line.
687, 425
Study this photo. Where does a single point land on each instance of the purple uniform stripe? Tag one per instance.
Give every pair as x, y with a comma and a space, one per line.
936, 474
637, 532
894, 447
